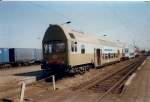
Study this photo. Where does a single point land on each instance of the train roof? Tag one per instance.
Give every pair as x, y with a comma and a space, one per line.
61, 32
72, 34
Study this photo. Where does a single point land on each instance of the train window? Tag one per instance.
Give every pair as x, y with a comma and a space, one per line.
109, 55
54, 46
45, 48
50, 48
103, 56
118, 52
106, 56
59, 47
72, 35
72, 46
112, 55
116, 55
126, 50
75, 46
82, 49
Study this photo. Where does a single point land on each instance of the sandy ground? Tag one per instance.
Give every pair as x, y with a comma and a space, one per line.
16, 70
19, 73
12, 77
139, 88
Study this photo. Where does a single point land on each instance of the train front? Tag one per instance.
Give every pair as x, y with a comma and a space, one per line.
54, 47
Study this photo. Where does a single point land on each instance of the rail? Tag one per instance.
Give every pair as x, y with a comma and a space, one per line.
97, 79
132, 68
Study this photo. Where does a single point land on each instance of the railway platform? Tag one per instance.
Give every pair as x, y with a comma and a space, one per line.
138, 90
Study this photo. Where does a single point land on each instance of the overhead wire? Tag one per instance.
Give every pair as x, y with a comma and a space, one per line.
68, 18
43, 7
122, 20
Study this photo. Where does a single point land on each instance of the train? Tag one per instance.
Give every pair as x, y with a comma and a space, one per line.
70, 51
20, 56
130, 51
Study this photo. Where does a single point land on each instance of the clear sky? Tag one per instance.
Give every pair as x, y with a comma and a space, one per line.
23, 24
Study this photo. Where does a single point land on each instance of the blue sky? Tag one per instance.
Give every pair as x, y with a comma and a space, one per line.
23, 23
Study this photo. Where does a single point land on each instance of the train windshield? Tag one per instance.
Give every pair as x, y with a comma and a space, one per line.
54, 47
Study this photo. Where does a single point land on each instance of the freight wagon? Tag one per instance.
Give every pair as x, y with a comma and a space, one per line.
24, 55
20, 56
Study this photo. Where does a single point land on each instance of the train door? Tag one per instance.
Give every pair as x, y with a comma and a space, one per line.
98, 57
118, 53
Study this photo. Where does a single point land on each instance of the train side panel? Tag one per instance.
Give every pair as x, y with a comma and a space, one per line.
93, 54
83, 53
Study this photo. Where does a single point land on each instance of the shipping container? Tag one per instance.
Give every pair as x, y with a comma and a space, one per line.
24, 55
4, 55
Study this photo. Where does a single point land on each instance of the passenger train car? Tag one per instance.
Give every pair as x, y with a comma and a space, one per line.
130, 51
68, 50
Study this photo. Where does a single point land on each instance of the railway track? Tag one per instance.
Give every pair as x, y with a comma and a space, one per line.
97, 77
115, 81
106, 84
